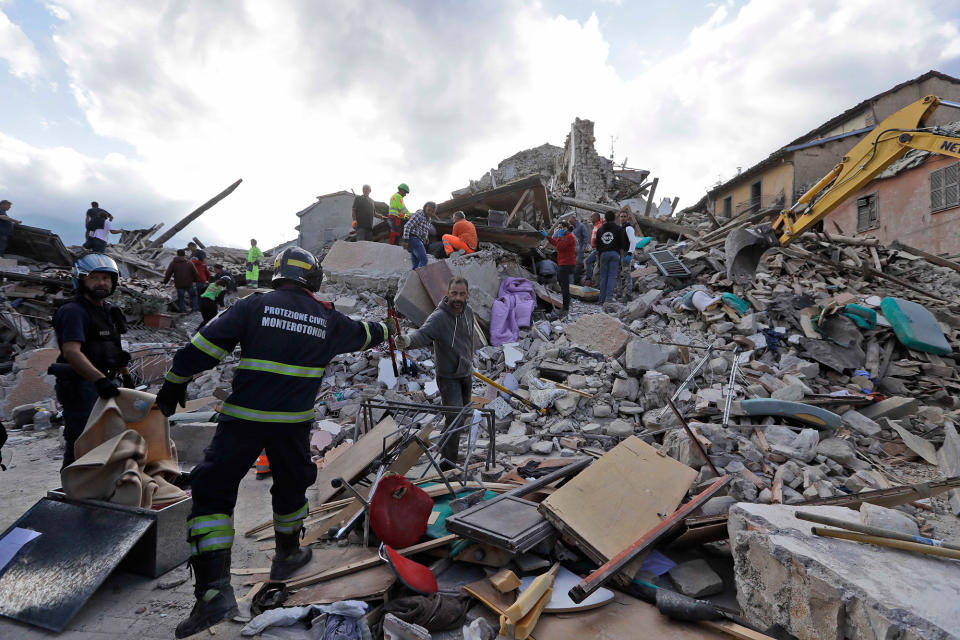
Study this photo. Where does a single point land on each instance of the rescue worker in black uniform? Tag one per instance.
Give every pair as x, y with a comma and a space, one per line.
88, 333
286, 338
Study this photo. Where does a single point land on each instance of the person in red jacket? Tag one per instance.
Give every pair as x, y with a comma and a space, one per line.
566, 246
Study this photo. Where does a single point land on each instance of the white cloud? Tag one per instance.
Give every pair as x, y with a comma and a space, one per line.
17, 49
301, 99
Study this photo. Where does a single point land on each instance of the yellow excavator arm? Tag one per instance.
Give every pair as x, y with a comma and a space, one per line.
887, 142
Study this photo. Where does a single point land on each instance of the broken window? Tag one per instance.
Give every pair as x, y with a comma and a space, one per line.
945, 187
755, 196
728, 207
867, 215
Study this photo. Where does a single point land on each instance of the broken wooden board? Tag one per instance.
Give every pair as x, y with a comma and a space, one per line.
632, 478
624, 617
435, 278
584, 293
362, 585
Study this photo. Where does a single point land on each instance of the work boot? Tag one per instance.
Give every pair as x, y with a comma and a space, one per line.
215, 600
289, 556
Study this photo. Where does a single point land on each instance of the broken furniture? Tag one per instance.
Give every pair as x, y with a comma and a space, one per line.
80, 543
508, 521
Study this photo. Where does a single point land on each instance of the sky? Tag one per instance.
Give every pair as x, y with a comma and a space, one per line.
151, 108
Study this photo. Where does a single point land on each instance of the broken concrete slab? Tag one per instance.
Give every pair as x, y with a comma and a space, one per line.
821, 588
948, 459
893, 408
861, 423
373, 266
191, 439
412, 300
34, 384
626, 388
874, 515
923, 448
696, 579
598, 332
641, 305
642, 356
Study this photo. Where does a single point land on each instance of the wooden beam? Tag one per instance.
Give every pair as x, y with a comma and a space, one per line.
516, 207
649, 224
193, 215
929, 257
653, 191
673, 205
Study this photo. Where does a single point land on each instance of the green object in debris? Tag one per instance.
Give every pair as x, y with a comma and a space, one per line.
736, 303
864, 317
441, 504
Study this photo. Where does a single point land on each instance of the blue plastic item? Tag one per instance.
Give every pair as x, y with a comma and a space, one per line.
737, 304
642, 242
916, 328
864, 317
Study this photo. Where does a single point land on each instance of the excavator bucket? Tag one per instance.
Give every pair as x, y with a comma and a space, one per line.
744, 248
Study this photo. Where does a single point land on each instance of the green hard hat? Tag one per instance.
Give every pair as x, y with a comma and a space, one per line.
403, 187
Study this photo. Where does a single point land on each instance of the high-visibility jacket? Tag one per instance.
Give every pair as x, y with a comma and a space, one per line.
397, 208
286, 339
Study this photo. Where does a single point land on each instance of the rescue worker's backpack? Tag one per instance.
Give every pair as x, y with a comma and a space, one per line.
95, 219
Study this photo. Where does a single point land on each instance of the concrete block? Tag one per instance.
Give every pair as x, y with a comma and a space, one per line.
696, 579
513, 444
619, 428
412, 300
598, 332
838, 450
860, 423
821, 588
876, 516
373, 266
191, 439
626, 388
791, 393
892, 408
642, 356
34, 385
346, 304
640, 306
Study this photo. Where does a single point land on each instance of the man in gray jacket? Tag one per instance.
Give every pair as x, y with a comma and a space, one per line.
450, 330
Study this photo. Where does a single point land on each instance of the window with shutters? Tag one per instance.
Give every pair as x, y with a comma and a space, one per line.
945, 187
867, 215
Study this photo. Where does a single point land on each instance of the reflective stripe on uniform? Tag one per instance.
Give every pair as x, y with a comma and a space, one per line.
210, 532
254, 415
292, 522
299, 263
172, 377
366, 327
208, 347
269, 366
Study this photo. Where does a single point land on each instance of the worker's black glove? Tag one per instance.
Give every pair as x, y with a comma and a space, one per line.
107, 388
128, 381
171, 394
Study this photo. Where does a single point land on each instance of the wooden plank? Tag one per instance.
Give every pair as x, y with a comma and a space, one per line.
505, 580
517, 206
637, 478
435, 278
735, 630
592, 582
929, 257
531, 595
524, 627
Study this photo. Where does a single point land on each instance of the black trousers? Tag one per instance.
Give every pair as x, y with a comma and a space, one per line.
208, 310
454, 392
77, 398
234, 449
564, 272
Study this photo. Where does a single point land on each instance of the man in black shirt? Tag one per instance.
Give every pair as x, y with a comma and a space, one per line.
611, 247
6, 225
88, 332
363, 211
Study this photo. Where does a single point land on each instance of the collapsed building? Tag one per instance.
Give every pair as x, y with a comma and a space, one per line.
649, 467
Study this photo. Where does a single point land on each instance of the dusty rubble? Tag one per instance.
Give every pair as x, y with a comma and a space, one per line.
709, 411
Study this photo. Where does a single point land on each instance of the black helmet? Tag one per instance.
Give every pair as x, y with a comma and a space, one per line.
94, 262
298, 266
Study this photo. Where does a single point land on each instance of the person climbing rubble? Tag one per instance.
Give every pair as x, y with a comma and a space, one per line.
286, 338
185, 279
398, 213
416, 234
450, 330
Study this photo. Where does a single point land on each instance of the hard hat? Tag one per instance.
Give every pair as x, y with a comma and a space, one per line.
224, 281
403, 187
298, 266
93, 262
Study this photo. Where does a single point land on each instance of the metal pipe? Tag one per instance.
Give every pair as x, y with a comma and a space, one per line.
689, 378
733, 379
886, 542
874, 531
